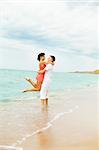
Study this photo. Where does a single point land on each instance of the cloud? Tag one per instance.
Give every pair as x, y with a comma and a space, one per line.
57, 27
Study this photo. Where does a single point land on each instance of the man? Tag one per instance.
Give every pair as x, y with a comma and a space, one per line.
47, 79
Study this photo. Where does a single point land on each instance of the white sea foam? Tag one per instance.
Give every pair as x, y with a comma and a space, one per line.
10, 147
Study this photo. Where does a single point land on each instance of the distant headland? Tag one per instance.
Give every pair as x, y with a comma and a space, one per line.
90, 72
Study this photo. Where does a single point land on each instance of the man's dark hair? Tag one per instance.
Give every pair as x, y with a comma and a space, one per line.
53, 58
40, 55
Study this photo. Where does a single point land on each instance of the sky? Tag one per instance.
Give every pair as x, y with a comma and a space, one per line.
66, 29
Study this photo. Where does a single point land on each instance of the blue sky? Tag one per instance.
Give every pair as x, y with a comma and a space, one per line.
65, 29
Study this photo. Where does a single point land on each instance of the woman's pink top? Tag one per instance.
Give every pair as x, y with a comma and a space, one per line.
40, 76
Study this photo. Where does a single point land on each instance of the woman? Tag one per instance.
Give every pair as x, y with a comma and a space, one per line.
40, 77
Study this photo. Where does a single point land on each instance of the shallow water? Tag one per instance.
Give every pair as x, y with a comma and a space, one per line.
12, 82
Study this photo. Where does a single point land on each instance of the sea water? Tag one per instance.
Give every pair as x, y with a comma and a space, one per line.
21, 117
12, 82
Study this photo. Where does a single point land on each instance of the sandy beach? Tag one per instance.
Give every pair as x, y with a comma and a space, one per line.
70, 122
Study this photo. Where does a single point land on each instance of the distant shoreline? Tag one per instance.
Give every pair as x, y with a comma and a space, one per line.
87, 72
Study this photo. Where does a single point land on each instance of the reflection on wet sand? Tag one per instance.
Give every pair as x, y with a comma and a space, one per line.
44, 139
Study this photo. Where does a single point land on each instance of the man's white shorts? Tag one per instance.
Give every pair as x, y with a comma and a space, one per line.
44, 90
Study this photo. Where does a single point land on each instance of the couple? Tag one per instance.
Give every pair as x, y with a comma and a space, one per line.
43, 78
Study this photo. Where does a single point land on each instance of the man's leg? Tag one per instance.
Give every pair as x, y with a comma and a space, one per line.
46, 101
43, 94
43, 101
47, 97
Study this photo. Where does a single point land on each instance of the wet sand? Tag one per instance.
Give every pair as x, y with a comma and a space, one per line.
70, 122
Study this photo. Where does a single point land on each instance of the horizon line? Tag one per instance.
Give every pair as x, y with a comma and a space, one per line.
36, 70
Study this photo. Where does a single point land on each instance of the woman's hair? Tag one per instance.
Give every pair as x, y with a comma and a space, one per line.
40, 55
53, 58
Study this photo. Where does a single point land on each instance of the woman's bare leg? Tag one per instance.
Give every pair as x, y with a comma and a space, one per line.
37, 88
31, 82
31, 90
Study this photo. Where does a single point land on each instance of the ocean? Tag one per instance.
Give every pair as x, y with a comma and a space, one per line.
12, 82
70, 117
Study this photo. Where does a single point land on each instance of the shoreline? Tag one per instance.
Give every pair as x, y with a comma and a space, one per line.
70, 119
